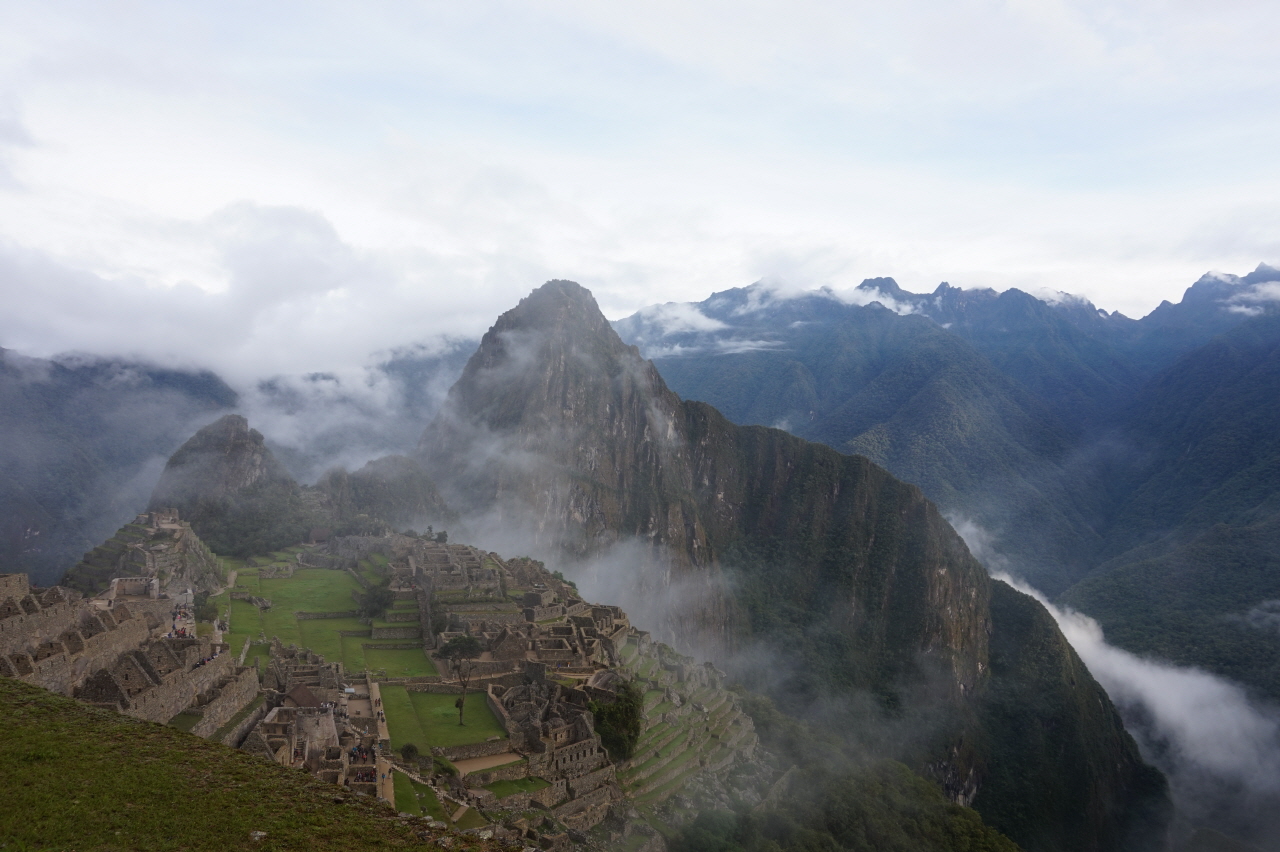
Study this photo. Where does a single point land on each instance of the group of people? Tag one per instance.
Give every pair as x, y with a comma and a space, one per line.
361, 754
363, 776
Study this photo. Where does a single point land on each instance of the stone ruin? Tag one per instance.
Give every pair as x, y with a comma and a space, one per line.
156, 545
110, 651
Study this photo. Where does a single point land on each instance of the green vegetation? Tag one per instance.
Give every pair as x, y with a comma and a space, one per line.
402, 718
185, 721
315, 590
77, 777
502, 789
619, 723
461, 651
375, 601
429, 719
437, 716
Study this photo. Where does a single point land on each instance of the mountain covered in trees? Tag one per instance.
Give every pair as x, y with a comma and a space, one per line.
1126, 467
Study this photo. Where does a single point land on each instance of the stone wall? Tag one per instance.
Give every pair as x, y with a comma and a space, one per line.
413, 632
236, 736
542, 613
584, 784
587, 811
58, 640
231, 698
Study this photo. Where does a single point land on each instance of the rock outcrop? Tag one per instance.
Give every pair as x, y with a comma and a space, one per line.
221, 460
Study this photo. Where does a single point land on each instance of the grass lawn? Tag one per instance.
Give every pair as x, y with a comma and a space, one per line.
311, 590
316, 590
428, 720
79, 777
471, 819
430, 803
406, 795
402, 719
439, 719
417, 799
398, 662
502, 789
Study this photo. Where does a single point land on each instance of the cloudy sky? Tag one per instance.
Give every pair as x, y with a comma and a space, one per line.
282, 187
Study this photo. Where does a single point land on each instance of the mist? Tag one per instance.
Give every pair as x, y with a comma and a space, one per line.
1218, 746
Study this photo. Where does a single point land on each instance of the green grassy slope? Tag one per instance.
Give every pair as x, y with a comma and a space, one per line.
77, 777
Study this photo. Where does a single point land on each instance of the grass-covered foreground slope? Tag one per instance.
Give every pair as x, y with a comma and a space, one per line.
76, 777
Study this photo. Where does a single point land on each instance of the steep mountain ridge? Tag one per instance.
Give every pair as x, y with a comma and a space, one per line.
849, 576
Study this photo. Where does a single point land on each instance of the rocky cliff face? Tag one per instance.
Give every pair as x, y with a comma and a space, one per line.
847, 579
220, 460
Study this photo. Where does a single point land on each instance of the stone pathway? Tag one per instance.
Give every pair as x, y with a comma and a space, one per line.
375, 699
386, 785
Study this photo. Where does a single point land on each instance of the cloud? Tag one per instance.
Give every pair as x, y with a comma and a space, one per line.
1210, 724
1219, 747
1265, 292
449, 162
678, 318
1264, 616
861, 296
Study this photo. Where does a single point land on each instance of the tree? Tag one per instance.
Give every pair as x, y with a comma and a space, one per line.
375, 601
442, 537
461, 652
409, 752
620, 722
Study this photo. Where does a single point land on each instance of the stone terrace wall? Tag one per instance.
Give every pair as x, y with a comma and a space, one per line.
231, 699
410, 632
236, 736
57, 646
166, 700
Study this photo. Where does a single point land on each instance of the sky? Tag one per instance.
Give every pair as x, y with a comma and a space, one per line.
277, 188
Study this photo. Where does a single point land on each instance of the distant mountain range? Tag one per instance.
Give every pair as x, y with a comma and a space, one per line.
1130, 468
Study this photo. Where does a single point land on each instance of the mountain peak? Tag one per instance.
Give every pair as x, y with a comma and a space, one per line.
556, 304
1265, 272
222, 458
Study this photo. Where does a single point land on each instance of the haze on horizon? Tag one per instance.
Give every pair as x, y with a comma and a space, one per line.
286, 189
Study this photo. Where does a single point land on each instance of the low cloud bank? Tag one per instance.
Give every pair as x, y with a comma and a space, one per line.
1219, 747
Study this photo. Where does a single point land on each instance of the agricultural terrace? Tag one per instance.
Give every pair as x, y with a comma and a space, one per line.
314, 590
429, 719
